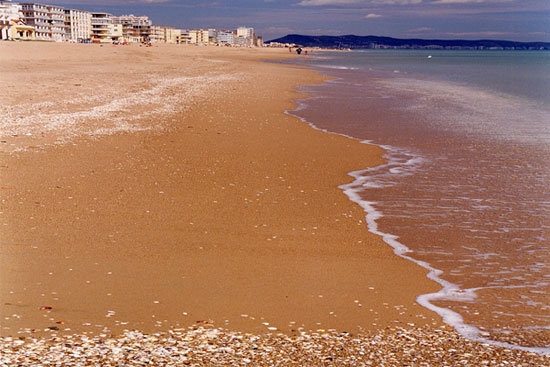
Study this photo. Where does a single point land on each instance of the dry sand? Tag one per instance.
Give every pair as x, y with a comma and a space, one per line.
161, 188
222, 206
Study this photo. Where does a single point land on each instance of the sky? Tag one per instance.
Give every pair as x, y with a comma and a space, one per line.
515, 20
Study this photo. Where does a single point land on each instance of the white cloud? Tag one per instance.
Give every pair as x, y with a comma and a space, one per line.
372, 16
480, 34
420, 30
395, 2
327, 2
351, 2
469, 1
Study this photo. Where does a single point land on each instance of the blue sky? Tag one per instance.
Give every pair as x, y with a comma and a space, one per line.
517, 20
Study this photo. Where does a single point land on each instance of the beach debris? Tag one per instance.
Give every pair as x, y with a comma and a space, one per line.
43, 308
200, 346
110, 313
204, 322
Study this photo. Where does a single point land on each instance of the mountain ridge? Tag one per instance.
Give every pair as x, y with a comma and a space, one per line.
378, 42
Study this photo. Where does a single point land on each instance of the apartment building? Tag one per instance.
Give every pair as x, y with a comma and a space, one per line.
246, 37
171, 35
12, 25
78, 25
157, 34
53, 23
117, 32
199, 36
101, 27
245, 32
105, 29
184, 38
135, 28
243, 37
226, 38
48, 20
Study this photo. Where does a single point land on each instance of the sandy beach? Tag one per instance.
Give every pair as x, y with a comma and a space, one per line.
163, 188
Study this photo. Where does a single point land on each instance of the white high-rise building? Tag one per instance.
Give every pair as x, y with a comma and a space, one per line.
48, 20
78, 25
226, 38
245, 37
245, 32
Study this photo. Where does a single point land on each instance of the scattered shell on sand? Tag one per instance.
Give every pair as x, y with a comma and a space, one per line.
208, 346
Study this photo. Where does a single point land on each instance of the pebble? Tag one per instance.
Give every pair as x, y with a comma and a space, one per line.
200, 346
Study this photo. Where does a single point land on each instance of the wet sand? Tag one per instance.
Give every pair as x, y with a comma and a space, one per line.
429, 195
164, 188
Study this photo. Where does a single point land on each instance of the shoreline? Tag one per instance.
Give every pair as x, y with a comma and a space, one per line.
457, 306
257, 188
448, 290
225, 213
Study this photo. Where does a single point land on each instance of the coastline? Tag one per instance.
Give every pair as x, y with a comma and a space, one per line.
220, 211
244, 191
463, 300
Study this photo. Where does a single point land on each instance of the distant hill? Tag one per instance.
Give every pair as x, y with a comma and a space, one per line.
375, 42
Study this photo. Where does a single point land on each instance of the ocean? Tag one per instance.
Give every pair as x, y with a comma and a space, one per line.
465, 191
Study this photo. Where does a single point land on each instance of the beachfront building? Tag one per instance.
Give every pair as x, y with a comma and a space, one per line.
171, 35
9, 13
136, 29
199, 36
213, 36
246, 37
48, 21
226, 38
105, 30
156, 35
116, 32
101, 27
78, 25
12, 25
184, 38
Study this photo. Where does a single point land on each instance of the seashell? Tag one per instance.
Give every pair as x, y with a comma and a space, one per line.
204, 345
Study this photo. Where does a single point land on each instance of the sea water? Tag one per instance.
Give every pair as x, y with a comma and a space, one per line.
465, 191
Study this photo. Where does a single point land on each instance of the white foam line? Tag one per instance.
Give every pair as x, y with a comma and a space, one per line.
449, 291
